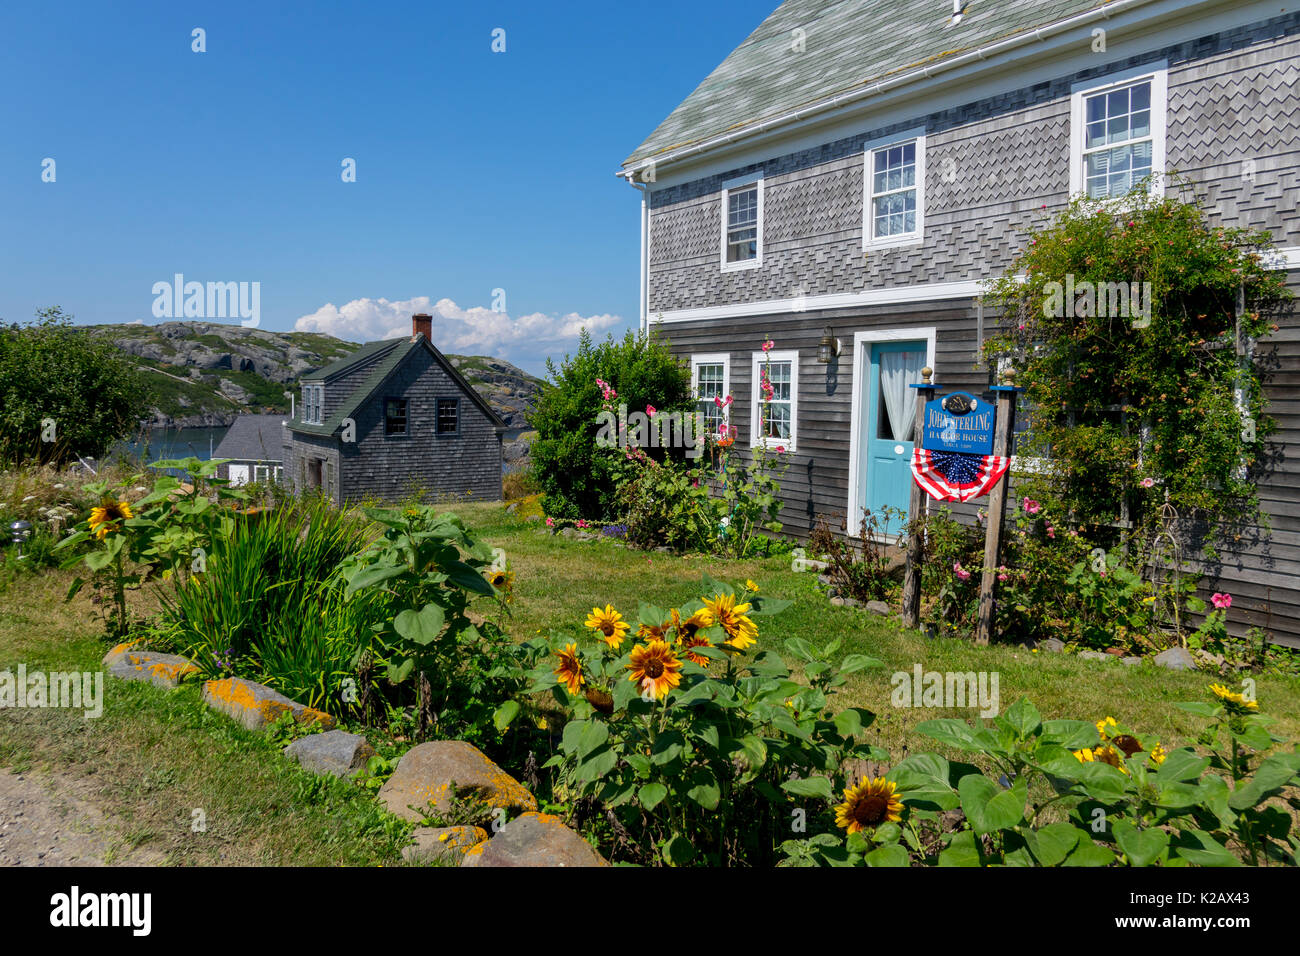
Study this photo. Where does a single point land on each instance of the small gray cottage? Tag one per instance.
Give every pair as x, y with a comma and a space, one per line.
392, 418
255, 446
846, 178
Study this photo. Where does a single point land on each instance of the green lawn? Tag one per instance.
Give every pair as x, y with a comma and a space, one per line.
158, 756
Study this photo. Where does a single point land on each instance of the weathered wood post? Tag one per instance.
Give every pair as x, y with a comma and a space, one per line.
1006, 418
915, 544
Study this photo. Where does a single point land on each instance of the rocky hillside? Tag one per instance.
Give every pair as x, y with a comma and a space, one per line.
206, 373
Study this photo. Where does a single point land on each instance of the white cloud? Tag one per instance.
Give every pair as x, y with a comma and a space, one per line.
475, 330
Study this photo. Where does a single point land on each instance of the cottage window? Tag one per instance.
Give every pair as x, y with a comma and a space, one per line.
261, 472
895, 191
394, 416
742, 223
1118, 135
774, 422
313, 404
710, 375
448, 416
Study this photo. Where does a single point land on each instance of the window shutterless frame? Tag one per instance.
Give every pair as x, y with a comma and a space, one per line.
447, 416
1118, 127
396, 418
784, 407
893, 191
710, 378
742, 222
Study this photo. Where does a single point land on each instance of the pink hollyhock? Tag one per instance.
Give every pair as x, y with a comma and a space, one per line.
550, 522
1221, 601
581, 523
717, 401
1051, 532
650, 411
961, 572
780, 449
1031, 506
768, 345
1148, 482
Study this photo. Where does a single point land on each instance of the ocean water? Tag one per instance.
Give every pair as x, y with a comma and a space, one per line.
161, 443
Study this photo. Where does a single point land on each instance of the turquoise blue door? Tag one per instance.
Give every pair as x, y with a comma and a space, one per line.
890, 419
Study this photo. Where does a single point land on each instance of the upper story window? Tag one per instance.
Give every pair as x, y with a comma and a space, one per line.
1117, 134
313, 404
448, 416
394, 416
742, 223
894, 204
710, 375
775, 419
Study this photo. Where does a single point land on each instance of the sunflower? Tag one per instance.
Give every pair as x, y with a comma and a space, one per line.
1084, 755
610, 623
870, 803
1233, 701
1105, 754
502, 580
686, 629
1129, 744
569, 670
654, 667
1158, 755
695, 640
1104, 727
652, 632
108, 515
751, 586
741, 631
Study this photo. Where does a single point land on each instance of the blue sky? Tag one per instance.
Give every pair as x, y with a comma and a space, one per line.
475, 170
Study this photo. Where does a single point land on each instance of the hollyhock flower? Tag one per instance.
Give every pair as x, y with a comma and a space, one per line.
1031, 506
1148, 482
650, 411
961, 572
768, 345
780, 449
550, 522
1221, 601
1051, 532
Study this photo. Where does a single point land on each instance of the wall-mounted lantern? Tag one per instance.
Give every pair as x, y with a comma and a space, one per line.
829, 349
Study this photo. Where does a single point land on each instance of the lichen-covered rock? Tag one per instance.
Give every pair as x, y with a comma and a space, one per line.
256, 706
1176, 659
425, 775
165, 670
534, 839
433, 843
336, 751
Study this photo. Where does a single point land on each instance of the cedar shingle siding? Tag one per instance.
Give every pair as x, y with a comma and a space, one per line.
390, 467
993, 160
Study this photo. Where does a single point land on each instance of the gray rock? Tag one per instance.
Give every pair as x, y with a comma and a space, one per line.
1094, 656
878, 607
534, 839
1176, 659
336, 751
852, 602
1130, 661
1053, 644
426, 773
164, 670
837, 601
434, 843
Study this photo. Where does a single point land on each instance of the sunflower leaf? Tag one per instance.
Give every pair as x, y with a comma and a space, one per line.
652, 794
809, 787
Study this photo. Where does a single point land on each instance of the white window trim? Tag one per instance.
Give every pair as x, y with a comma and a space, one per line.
1158, 74
713, 358
869, 238
862, 342
738, 183
757, 361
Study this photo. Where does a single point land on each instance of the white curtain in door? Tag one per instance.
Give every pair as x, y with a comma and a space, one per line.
898, 370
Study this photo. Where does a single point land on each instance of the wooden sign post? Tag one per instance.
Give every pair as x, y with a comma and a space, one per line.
1006, 416
915, 544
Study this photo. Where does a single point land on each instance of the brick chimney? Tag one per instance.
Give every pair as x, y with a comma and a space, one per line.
422, 324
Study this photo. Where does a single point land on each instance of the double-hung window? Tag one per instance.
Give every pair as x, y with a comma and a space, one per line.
894, 201
742, 223
394, 417
448, 416
1117, 134
313, 404
710, 374
775, 405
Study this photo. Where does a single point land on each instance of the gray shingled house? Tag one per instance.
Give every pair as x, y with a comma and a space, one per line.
392, 418
845, 179
255, 446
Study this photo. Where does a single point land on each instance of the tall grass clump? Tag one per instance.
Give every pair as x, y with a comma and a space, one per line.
269, 603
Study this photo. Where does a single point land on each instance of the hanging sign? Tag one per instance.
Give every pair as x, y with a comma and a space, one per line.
959, 422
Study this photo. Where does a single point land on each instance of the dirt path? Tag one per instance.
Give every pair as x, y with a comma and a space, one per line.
52, 820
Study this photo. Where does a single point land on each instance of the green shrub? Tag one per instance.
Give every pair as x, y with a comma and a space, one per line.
575, 480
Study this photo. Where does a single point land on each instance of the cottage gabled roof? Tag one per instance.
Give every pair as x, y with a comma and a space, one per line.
253, 438
394, 353
847, 45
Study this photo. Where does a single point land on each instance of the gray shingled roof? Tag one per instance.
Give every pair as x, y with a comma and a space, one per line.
848, 44
253, 438
378, 375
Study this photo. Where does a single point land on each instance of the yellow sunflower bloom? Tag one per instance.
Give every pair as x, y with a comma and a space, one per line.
751, 586
741, 631
1158, 755
610, 624
655, 667
569, 670
1107, 727
869, 804
695, 640
109, 517
1232, 700
1084, 755
686, 628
